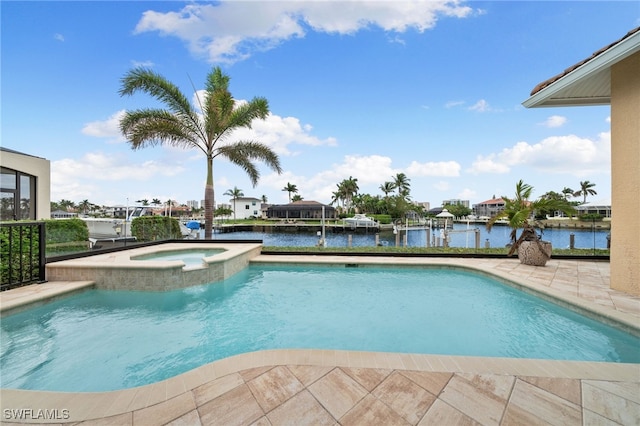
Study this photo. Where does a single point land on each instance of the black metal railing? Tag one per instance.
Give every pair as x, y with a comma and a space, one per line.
22, 252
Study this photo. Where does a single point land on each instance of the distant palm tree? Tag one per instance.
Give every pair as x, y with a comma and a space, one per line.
67, 205
290, 188
296, 197
567, 192
387, 188
235, 193
264, 199
208, 129
348, 188
401, 183
585, 189
156, 202
84, 205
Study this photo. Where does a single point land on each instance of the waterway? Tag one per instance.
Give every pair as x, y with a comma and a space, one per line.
464, 236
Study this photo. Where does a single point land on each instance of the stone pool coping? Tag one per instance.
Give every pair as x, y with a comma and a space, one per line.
582, 282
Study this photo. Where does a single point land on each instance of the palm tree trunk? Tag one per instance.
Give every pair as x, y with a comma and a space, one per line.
208, 201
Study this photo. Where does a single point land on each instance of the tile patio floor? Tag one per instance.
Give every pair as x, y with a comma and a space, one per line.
317, 387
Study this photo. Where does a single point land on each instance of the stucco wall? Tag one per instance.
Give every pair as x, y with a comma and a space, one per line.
35, 166
625, 175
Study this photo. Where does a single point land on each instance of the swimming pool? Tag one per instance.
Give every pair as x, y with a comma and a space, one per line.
104, 340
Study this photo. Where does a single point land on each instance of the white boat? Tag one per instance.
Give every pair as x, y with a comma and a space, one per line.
119, 229
360, 220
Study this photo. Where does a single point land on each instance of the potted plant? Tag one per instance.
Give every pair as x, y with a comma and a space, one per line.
519, 213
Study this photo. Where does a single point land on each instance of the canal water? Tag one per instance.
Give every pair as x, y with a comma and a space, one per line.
464, 236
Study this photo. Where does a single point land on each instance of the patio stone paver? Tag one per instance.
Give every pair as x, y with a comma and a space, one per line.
317, 387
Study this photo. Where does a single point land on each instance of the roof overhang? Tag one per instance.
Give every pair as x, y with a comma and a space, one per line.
588, 82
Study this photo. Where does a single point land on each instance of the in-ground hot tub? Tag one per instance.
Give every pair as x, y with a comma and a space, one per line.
191, 257
157, 268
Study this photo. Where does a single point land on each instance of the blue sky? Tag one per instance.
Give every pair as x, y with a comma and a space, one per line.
363, 89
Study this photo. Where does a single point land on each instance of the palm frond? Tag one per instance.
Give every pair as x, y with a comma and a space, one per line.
145, 80
244, 153
144, 128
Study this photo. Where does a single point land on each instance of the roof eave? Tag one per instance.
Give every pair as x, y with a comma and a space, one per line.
547, 97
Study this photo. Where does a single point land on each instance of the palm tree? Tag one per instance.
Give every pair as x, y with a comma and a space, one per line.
67, 205
347, 189
84, 205
520, 209
264, 199
296, 197
290, 188
235, 193
567, 192
387, 188
208, 130
585, 189
401, 183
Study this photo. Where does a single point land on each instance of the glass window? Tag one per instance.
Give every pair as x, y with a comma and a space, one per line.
6, 206
8, 179
18, 192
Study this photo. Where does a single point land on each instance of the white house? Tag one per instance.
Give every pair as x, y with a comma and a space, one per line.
246, 207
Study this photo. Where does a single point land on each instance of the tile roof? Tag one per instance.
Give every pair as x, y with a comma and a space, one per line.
572, 68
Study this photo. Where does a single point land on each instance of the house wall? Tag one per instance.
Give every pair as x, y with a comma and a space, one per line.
625, 175
38, 167
247, 207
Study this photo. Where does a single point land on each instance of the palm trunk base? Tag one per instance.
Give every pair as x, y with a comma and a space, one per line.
535, 253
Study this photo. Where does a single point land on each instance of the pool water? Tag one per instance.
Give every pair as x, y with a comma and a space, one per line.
189, 257
106, 340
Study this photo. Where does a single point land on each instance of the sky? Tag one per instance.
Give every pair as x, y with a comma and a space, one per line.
360, 89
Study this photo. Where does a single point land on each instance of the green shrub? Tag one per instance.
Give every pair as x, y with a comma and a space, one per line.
384, 219
19, 250
590, 217
153, 228
66, 230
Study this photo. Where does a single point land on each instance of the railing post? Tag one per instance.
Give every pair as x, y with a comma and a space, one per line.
42, 247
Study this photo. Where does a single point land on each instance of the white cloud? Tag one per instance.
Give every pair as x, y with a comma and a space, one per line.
83, 178
467, 194
109, 128
145, 64
231, 31
280, 133
452, 104
58, 37
557, 154
554, 121
480, 106
488, 164
441, 168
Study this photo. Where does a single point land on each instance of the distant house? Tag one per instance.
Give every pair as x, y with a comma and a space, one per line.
456, 202
300, 210
601, 207
489, 208
246, 207
25, 186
